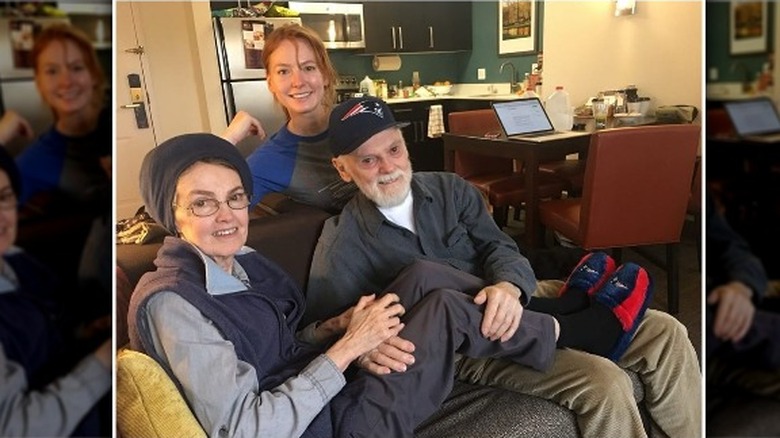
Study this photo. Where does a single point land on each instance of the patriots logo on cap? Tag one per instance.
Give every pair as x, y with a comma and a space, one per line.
365, 107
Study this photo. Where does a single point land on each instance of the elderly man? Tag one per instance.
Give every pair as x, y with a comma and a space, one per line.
399, 217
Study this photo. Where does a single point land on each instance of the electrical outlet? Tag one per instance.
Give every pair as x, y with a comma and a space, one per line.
481, 74
713, 73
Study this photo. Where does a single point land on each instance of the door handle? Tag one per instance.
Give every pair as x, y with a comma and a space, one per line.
137, 101
135, 50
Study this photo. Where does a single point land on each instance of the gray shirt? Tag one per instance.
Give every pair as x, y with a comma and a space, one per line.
54, 411
222, 390
57, 410
361, 252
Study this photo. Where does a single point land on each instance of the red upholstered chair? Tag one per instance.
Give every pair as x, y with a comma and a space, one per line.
479, 170
572, 172
719, 123
635, 193
495, 177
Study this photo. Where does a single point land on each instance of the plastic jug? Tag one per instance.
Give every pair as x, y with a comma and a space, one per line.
367, 87
559, 109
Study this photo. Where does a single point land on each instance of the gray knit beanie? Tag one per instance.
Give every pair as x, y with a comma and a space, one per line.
163, 165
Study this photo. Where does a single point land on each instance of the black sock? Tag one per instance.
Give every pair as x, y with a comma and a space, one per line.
574, 300
595, 330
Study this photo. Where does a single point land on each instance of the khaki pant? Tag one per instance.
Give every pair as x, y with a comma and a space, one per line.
600, 393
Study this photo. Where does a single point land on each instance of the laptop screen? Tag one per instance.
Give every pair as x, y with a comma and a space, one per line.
754, 116
523, 116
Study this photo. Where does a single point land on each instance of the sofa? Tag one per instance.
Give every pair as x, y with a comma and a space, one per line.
287, 233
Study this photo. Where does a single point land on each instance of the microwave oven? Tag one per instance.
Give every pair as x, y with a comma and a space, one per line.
339, 25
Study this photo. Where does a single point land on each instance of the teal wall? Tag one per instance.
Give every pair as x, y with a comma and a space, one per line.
717, 45
455, 67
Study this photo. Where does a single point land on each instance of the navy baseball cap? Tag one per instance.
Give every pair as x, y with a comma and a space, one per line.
356, 120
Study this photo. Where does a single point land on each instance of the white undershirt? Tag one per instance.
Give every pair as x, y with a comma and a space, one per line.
402, 214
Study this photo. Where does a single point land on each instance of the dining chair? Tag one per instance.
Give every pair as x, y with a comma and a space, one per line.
479, 170
635, 194
500, 180
572, 172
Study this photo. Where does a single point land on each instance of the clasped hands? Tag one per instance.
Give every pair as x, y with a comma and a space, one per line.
502, 315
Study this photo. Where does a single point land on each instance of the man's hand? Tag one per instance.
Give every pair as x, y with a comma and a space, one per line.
735, 310
502, 312
395, 354
242, 126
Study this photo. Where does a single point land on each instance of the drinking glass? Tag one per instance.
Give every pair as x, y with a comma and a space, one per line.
600, 112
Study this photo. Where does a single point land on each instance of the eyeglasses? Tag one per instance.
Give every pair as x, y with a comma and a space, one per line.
208, 206
8, 200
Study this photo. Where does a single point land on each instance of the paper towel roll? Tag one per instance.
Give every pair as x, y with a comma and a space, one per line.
387, 63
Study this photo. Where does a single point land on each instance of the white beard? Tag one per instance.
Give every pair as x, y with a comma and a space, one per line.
384, 198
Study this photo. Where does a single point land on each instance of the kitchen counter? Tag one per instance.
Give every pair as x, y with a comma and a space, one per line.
453, 97
725, 91
498, 91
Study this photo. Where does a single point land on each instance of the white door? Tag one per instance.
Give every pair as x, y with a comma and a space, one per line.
134, 128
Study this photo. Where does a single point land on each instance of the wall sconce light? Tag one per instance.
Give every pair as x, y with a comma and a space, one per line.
625, 7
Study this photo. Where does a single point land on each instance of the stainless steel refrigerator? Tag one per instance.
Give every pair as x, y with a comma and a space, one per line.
17, 82
240, 42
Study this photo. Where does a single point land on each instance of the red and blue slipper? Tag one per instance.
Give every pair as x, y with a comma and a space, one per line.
590, 273
627, 293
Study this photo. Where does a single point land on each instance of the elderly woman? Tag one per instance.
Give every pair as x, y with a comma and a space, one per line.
37, 396
222, 319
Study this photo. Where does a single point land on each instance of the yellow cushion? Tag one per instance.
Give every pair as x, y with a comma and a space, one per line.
148, 404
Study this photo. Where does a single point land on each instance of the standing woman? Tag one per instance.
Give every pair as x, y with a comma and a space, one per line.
74, 156
69, 166
295, 160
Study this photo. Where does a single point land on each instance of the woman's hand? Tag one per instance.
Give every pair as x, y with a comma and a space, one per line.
335, 326
373, 321
105, 353
12, 125
242, 126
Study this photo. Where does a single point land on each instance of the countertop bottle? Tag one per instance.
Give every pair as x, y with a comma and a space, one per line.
367, 87
559, 109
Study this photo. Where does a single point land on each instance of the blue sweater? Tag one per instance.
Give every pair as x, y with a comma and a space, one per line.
70, 165
300, 168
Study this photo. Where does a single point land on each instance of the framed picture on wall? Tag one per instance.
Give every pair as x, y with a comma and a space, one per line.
748, 26
517, 26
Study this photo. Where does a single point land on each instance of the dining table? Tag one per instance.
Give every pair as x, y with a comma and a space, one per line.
530, 151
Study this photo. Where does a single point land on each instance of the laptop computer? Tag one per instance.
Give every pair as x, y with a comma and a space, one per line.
754, 119
526, 119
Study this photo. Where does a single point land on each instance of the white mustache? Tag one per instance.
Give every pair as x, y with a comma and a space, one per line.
391, 177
